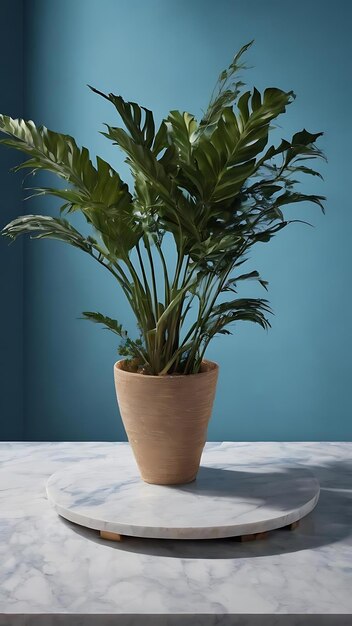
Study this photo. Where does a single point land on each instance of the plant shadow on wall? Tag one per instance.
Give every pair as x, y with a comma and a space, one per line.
214, 185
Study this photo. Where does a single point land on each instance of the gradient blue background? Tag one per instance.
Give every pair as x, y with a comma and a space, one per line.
292, 383
11, 258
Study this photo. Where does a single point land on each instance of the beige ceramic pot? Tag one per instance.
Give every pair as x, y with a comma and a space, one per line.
166, 420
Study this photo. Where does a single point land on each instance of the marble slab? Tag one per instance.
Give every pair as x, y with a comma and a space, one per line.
55, 573
226, 500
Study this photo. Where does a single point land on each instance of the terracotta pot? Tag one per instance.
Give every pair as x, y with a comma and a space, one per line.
166, 420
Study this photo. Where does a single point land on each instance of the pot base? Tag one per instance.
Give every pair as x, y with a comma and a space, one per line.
179, 481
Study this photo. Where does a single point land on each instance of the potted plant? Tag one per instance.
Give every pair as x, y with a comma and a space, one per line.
215, 189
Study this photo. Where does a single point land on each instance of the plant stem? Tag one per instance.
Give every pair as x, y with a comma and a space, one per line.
166, 274
152, 270
180, 259
145, 280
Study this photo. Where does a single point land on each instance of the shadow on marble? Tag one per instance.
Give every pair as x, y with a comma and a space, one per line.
220, 482
330, 522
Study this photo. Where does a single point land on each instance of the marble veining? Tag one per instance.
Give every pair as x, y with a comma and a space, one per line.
55, 572
226, 500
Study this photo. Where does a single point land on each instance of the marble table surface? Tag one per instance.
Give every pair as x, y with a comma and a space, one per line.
54, 572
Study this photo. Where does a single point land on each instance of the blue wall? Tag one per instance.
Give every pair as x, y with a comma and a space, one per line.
11, 258
292, 383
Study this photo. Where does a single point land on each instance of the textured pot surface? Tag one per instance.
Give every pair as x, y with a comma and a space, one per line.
166, 420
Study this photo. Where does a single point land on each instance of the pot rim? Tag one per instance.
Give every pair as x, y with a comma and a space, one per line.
213, 369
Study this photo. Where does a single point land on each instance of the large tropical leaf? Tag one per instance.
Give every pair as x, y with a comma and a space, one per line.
45, 227
174, 209
59, 154
138, 120
242, 309
98, 192
182, 129
227, 158
214, 166
155, 188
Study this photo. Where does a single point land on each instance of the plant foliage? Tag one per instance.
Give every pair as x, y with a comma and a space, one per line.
215, 185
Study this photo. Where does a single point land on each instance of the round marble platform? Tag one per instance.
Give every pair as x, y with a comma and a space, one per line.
226, 500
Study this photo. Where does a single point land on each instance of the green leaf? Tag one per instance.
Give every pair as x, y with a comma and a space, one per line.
242, 309
302, 143
226, 158
181, 131
232, 283
244, 108
226, 90
107, 322
291, 197
138, 120
98, 192
129, 348
174, 209
304, 170
256, 101
160, 140
175, 301
45, 227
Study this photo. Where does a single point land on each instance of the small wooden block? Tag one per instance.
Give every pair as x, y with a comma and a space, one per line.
254, 537
106, 534
291, 526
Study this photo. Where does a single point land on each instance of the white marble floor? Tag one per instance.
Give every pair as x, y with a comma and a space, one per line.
53, 572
